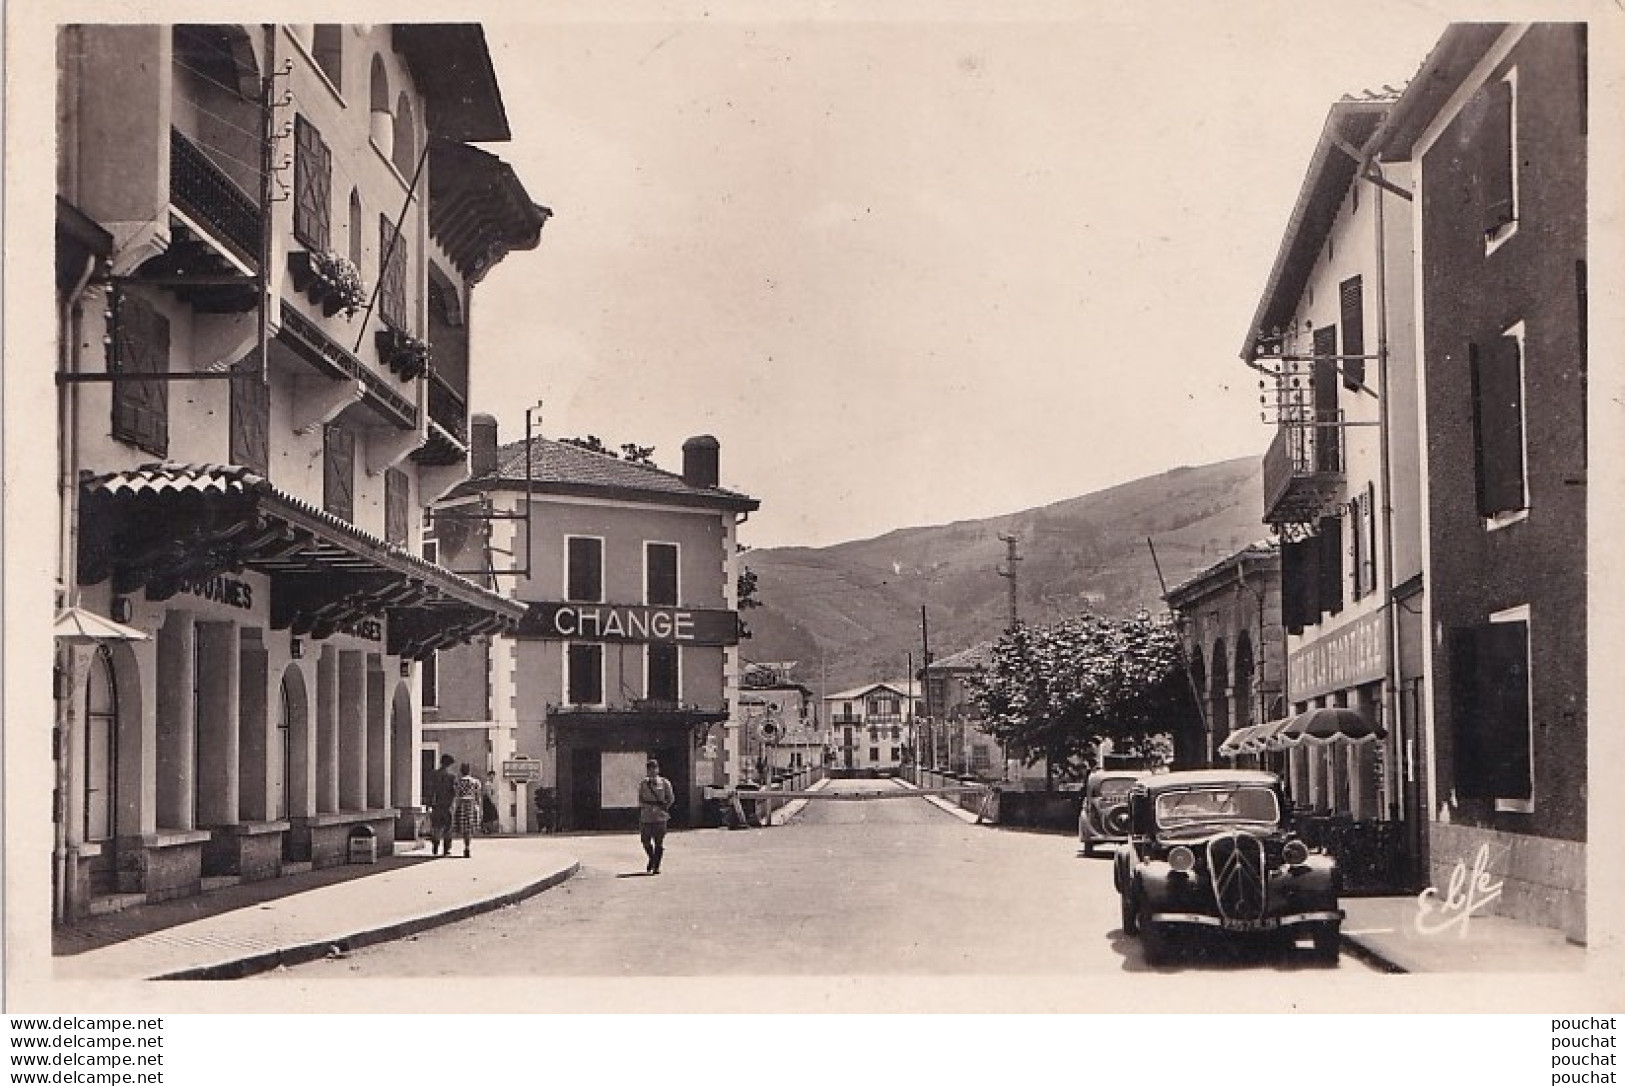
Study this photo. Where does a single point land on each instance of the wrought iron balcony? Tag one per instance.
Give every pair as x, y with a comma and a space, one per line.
1303, 469
203, 192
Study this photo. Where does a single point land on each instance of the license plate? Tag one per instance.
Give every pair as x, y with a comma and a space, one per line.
1267, 924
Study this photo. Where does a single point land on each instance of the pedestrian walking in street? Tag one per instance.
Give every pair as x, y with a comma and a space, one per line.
465, 811
442, 794
490, 821
655, 799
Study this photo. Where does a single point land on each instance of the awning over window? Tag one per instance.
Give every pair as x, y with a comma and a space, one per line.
165, 526
1327, 725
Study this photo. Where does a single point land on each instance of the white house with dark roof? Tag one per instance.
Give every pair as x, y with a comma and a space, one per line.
628, 647
871, 726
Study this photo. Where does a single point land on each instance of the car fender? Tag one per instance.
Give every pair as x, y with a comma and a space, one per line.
1317, 876
1153, 877
1122, 861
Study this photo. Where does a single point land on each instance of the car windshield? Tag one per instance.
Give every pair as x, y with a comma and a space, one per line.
1235, 804
1114, 787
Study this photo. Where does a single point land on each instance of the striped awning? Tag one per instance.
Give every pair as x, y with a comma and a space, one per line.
1328, 725
164, 526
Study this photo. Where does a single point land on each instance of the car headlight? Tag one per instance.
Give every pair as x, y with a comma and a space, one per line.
1295, 852
1181, 859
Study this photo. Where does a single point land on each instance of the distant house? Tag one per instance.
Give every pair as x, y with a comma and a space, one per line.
953, 739
626, 650
871, 726
778, 721
1229, 619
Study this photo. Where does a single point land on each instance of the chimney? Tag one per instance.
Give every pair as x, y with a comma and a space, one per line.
482, 448
700, 461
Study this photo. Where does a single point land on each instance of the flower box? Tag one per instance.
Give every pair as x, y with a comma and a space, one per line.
402, 352
329, 280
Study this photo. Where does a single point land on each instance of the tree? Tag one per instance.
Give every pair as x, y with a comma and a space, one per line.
1057, 691
746, 589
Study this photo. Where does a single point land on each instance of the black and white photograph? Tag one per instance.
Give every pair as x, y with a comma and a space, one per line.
812, 507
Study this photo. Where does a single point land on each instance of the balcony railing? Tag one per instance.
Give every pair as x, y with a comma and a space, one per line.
203, 191
1303, 469
448, 409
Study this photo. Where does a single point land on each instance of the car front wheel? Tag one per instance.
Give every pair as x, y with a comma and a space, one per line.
1328, 942
1156, 942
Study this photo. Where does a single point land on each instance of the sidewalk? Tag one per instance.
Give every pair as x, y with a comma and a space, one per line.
254, 927
1383, 930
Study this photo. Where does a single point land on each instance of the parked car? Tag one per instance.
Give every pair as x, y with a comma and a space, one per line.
1103, 817
1213, 850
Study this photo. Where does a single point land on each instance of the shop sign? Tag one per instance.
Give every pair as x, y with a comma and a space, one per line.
231, 591
369, 629
1355, 654
606, 622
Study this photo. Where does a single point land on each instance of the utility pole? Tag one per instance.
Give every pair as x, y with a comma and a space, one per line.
925, 655
1009, 574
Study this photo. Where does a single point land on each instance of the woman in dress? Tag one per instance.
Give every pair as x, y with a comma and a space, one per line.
465, 809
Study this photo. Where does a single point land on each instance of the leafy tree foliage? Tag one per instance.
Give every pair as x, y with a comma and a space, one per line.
630, 452
746, 585
1057, 691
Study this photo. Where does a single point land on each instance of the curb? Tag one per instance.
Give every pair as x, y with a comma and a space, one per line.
1372, 956
264, 961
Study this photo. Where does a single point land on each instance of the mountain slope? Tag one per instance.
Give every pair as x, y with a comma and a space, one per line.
850, 612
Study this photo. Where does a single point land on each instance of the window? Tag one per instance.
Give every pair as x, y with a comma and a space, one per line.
1351, 304
584, 674
396, 503
404, 153
1327, 442
338, 472
663, 681
1498, 441
250, 417
356, 227
392, 274
1491, 711
874, 754
1492, 128
584, 574
328, 50
1363, 543
660, 574
431, 680
140, 345
312, 186
1300, 583
1330, 539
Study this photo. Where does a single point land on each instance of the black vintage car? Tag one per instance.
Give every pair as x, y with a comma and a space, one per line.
1103, 815
1213, 850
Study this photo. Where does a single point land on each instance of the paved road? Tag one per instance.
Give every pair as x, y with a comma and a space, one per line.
874, 887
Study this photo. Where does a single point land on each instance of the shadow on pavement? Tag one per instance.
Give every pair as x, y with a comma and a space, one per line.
101, 931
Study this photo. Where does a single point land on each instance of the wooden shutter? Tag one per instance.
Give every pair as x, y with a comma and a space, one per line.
1330, 570
1352, 316
1490, 711
1497, 387
586, 570
392, 281
250, 417
1327, 439
586, 678
338, 476
1357, 523
140, 345
396, 498
662, 671
661, 570
312, 186
1493, 134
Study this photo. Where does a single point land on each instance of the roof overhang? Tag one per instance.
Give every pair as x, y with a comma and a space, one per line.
163, 527
1331, 170
1458, 51
479, 210
452, 68
699, 499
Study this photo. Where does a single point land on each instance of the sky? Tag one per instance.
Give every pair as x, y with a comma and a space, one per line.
911, 270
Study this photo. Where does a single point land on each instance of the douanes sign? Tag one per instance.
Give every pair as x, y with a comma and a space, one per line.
609, 622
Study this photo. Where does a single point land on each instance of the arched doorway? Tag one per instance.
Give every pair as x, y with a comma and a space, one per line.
100, 812
403, 749
1193, 748
1218, 678
290, 768
1242, 689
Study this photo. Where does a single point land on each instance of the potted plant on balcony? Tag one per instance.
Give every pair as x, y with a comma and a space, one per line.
403, 352
330, 280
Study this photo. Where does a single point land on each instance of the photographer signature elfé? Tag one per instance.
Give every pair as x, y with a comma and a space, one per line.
1468, 893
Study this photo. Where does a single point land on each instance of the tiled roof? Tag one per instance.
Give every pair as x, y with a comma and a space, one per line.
561, 468
898, 688
965, 659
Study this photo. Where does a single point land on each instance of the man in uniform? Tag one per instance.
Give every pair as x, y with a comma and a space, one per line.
442, 794
655, 799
